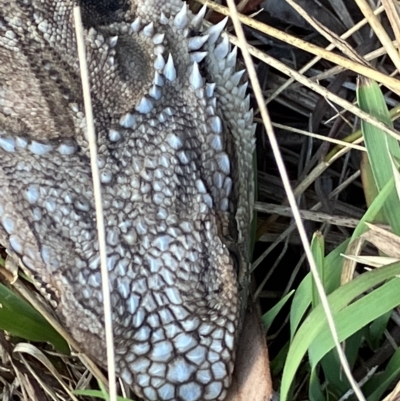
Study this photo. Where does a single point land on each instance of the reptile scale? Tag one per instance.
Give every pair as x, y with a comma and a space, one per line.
175, 142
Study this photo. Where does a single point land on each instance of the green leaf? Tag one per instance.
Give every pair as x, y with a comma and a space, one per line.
376, 386
102, 393
302, 297
376, 330
355, 316
98, 394
316, 321
381, 147
318, 251
314, 387
20, 319
335, 378
278, 362
269, 316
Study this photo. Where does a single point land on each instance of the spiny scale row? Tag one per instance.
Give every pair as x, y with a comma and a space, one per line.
165, 69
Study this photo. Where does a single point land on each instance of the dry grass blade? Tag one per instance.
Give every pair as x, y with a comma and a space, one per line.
307, 215
384, 240
372, 261
349, 265
315, 60
99, 206
24, 348
306, 46
380, 32
27, 294
394, 395
290, 195
349, 145
330, 36
318, 88
291, 228
392, 13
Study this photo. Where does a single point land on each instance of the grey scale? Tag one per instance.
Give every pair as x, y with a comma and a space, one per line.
175, 138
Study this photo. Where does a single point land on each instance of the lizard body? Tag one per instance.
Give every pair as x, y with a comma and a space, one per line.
175, 143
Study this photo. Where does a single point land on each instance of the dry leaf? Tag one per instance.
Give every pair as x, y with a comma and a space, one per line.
349, 266
384, 240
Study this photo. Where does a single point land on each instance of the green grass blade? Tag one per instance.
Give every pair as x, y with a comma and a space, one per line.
376, 330
21, 320
98, 394
268, 318
316, 321
302, 297
381, 147
278, 362
374, 210
336, 382
356, 316
376, 386
318, 251
314, 387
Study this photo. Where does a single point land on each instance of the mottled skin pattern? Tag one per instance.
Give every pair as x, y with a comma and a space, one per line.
175, 142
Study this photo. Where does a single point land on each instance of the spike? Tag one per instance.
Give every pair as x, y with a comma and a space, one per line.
159, 49
112, 41
198, 18
168, 111
158, 79
158, 38
8, 144
195, 78
227, 72
136, 25
159, 62
99, 40
169, 69
114, 135
163, 19
197, 57
111, 61
92, 33
235, 78
181, 19
155, 92
174, 141
248, 116
185, 32
148, 30
210, 89
222, 49
216, 124
242, 90
200, 94
162, 117
215, 31
145, 105
246, 103
231, 59
127, 120
197, 42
